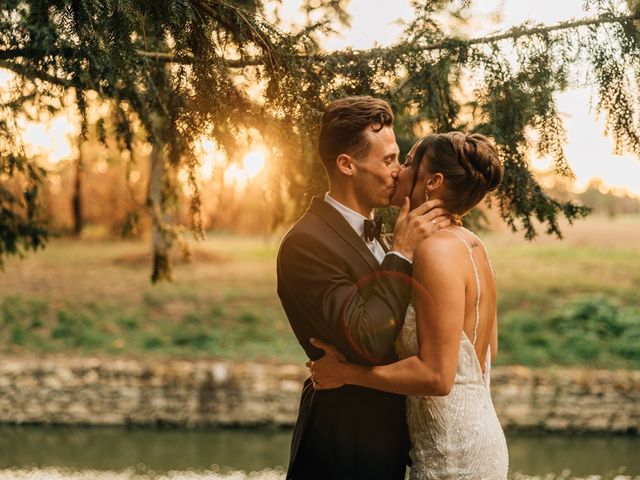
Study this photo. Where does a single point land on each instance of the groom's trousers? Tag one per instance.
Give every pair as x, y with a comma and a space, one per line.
350, 433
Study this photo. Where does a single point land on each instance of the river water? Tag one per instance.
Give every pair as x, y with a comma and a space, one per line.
29, 452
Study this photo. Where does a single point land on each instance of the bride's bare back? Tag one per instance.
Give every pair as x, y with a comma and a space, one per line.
480, 319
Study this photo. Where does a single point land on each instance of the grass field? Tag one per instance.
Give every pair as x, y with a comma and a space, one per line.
574, 301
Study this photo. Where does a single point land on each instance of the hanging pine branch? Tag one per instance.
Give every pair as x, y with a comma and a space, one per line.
181, 70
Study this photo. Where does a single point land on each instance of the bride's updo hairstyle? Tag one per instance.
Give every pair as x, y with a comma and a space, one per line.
469, 164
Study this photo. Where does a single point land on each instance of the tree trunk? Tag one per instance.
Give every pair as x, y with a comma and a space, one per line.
76, 201
161, 239
162, 232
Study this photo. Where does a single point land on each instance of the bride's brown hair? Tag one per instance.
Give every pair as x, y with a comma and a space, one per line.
469, 164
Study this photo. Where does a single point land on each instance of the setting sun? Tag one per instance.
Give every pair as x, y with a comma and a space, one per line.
253, 162
240, 176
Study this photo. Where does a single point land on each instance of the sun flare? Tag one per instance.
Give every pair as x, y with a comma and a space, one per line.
253, 162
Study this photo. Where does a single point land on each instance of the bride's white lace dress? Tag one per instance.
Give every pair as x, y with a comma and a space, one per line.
457, 436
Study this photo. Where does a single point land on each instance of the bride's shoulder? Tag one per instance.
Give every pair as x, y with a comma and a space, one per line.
440, 244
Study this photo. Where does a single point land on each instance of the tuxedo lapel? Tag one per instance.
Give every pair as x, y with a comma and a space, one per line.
336, 221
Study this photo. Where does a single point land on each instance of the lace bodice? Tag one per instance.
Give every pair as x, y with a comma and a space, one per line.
457, 436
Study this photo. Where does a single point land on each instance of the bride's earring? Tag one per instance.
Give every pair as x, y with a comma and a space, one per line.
426, 195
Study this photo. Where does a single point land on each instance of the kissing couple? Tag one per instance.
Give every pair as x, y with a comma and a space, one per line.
400, 338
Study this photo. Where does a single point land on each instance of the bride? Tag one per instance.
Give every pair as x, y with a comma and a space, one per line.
450, 336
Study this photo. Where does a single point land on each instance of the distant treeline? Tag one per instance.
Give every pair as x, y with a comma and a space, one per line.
609, 203
100, 194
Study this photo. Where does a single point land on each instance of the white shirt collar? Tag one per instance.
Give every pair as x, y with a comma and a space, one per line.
353, 218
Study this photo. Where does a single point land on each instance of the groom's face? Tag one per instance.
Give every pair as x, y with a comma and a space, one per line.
377, 172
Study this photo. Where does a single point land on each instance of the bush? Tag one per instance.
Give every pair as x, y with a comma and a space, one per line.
592, 331
152, 342
597, 316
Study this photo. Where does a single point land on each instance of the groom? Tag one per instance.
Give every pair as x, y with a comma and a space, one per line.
339, 284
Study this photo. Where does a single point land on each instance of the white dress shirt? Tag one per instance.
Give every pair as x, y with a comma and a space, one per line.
356, 220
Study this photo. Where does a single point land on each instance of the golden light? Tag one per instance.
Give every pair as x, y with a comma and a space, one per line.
213, 158
239, 176
253, 162
50, 140
236, 176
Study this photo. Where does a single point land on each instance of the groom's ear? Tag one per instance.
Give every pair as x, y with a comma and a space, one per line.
345, 164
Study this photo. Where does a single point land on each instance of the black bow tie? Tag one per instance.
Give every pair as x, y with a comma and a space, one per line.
371, 230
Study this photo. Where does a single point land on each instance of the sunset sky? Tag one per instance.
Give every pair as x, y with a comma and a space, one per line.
379, 22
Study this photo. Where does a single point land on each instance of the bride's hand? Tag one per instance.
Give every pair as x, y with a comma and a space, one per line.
327, 372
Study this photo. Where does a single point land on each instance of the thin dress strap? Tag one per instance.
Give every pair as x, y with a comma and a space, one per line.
486, 254
477, 276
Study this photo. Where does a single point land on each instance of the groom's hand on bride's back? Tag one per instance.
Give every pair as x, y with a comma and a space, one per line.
326, 373
414, 226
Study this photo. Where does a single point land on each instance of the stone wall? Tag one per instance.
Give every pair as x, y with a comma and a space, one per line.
560, 399
198, 393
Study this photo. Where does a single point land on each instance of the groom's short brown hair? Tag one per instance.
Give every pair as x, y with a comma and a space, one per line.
344, 123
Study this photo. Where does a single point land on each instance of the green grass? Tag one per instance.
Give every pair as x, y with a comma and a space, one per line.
571, 302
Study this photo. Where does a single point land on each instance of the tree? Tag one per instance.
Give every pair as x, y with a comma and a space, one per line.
182, 69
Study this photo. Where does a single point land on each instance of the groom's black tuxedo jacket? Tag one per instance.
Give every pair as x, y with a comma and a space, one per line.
332, 288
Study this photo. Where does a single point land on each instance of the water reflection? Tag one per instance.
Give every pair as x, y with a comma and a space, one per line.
162, 449
227, 454
582, 454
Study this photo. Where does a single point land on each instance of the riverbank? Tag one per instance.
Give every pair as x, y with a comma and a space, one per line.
107, 391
